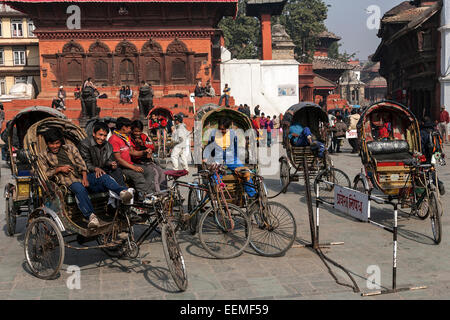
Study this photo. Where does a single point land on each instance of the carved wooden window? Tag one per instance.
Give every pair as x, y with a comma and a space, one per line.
74, 72
178, 69
427, 40
127, 72
101, 70
152, 72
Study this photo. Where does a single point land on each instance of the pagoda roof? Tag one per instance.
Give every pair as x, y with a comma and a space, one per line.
323, 83
377, 82
254, 8
328, 35
326, 63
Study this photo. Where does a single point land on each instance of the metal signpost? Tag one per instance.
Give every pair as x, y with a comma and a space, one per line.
357, 205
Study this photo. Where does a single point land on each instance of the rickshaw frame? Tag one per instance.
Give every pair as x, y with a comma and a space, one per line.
23, 195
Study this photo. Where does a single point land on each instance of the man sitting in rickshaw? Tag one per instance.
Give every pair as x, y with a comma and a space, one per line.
65, 162
303, 137
223, 148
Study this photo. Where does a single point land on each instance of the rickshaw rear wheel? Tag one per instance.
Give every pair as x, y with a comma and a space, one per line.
435, 209
273, 229
10, 216
194, 198
333, 175
284, 175
174, 257
44, 248
225, 235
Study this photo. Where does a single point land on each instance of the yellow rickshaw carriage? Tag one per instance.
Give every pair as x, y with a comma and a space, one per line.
206, 124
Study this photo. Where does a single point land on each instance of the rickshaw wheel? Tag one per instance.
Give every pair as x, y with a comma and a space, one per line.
435, 209
193, 201
174, 257
359, 186
284, 175
333, 175
424, 209
273, 230
44, 248
10, 216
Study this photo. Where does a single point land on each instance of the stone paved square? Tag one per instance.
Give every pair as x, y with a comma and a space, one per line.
299, 274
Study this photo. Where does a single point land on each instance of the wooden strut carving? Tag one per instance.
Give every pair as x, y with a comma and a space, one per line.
124, 34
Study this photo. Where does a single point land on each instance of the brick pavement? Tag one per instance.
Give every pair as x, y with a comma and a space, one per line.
299, 274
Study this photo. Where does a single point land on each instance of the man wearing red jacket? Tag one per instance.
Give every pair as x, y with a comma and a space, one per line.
444, 119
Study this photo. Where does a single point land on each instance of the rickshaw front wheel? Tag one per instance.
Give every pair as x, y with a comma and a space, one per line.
435, 209
284, 175
44, 248
174, 257
10, 216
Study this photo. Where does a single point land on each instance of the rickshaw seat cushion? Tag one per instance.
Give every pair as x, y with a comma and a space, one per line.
388, 147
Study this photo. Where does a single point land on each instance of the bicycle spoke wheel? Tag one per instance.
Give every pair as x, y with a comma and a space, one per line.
174, 257
273, 229
333, 175
225, 235
435, 209
44, 248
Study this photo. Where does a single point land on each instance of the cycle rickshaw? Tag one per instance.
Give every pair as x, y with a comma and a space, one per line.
161, 136
273, 225
390, 144
58, 223
22, 197
311, 115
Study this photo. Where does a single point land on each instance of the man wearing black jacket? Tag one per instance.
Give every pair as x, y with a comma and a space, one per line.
98, 154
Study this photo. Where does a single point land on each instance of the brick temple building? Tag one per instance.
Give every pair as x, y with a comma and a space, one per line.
169, 43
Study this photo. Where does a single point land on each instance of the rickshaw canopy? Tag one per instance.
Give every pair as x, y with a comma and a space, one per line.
161, 111
29, 116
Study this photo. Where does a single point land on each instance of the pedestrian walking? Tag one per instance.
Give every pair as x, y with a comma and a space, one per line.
354, 118
444, 119
2, 116
339, 130
269, 128
276, 128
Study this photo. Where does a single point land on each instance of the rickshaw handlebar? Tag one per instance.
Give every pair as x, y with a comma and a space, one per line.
414, 163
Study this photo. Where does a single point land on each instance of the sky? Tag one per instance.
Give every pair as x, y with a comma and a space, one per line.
349, 20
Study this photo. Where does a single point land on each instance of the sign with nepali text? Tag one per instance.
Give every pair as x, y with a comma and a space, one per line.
351, 202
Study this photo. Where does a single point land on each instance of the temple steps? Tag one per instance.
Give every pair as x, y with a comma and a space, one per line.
112, 108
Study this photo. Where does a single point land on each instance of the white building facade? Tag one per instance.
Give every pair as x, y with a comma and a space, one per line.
271, 84
445, 54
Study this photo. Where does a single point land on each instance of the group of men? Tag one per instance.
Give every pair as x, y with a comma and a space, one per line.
206, 91
99, 165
